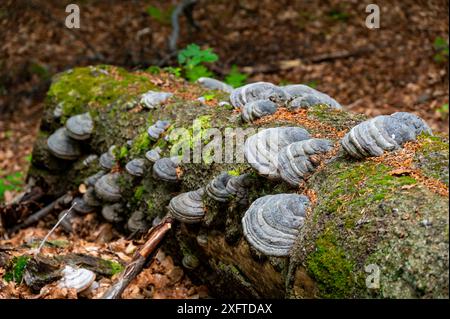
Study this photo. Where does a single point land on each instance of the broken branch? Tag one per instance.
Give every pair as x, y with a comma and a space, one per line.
140, 258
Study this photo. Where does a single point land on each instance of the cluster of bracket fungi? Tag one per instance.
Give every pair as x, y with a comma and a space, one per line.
289, 154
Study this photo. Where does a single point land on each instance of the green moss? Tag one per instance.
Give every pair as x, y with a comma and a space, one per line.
141, 144
432, 157
116, 267
234, 172
139, 191
358, 184
330, 267
334, 117
96, 87
16, 269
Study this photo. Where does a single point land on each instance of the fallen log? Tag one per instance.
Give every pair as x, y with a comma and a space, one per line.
376, 227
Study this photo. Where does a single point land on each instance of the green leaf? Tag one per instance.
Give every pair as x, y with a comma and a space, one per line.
235, 78
192, 56
196, 72
174, 71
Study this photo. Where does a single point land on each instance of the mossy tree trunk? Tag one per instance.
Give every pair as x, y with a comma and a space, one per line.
366, 217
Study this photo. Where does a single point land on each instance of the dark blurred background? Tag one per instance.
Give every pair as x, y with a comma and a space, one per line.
402, 66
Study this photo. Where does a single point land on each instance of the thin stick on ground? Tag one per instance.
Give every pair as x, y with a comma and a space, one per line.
140, 258
39, 214
53, 229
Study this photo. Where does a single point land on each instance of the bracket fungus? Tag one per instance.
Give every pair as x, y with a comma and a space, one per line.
153, 155
166, 169
188, 207
271, 224
80, 127
214, 84
81, 207
257, 91
91, 180
76, 278
261, 149
413, 121
155, 130
297, 160
90, 198
303, 96
153, 99
107, 188
217, 188
137, 222
190, 261
238, 187
113, 213
253, 110
107, 159
382, 133
136, 167
62, 146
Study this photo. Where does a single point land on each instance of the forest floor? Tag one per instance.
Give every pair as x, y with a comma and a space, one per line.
324, 44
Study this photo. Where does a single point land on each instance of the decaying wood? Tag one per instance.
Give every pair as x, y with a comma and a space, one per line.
41, 213
146, 253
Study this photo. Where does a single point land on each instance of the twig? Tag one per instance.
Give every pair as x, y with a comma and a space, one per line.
39, 214
53, 229
140, 258
180, 8
290, 64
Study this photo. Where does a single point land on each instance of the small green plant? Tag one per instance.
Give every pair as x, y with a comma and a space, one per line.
192, 60
162, 16
235, 78
441, 47
11, 182
154, 69
173, 70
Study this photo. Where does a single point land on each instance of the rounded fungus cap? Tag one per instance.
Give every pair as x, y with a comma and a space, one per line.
413, 121
62, 146
107, 188
214, 84
256, 109
80, 127
271, 224
153, 155
107, 159
81, 207
137, 222
376, 135
136, 167
90, 198
153, 99
296, 160
166, 169
113, 213
303, 96
261, 149
257, 91
217, 188
76, 278
188, 207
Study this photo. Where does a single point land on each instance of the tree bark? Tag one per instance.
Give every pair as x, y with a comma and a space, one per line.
370, 232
